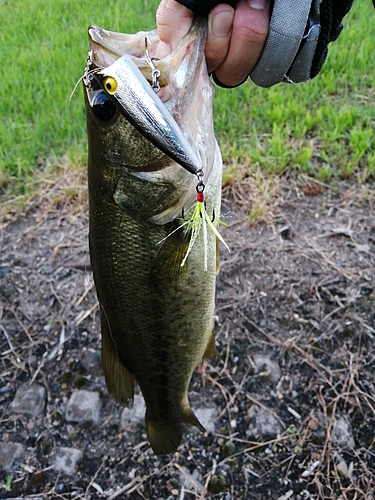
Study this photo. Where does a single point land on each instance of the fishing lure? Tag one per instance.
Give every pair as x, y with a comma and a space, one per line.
198, 221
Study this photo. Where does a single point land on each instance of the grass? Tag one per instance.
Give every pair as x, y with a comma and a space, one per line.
43, 56
324, 126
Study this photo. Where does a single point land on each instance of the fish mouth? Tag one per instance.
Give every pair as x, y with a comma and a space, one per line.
106, 47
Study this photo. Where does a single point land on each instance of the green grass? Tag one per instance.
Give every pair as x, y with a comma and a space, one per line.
325, 127
43, 53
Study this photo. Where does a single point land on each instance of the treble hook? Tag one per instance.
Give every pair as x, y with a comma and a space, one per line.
155, 74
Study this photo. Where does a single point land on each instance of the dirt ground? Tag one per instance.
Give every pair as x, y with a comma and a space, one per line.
296, 291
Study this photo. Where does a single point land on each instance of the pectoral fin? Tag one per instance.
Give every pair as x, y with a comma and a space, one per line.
167, 266
119, 381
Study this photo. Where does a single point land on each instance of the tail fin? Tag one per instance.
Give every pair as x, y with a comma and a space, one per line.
166, 437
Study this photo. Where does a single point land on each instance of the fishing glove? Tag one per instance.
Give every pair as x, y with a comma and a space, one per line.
298, 37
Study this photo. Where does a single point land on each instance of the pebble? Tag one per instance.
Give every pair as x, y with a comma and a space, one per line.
207, 416
265, 364
262, 423
29, 400
134, 415
343, 433
342, 469
9, 453
191, 482
60, 488
66, 459
343, 436
83, 406
92, 361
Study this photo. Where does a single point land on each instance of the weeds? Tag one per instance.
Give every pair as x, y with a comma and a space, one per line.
324, 126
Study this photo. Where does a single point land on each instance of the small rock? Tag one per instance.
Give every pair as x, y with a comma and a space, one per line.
313, 424
92, 360
29, 400
60, 488
191, 482
134, 415
262, 423
83, 406
9, 452
289, 494
66, 459
343, 436
207, 415
233, 423
267, 365
342, 469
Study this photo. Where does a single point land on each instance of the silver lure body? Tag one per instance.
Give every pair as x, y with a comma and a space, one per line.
140, 105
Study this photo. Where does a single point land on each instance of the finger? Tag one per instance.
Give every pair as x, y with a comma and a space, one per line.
220, 20
249, 33
173, 21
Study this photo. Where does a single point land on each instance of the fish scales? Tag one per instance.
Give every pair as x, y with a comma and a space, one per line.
157, 316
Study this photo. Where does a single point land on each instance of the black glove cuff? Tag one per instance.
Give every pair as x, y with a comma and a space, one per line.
204, 6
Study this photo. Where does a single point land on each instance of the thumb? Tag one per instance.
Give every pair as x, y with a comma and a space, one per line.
173, 21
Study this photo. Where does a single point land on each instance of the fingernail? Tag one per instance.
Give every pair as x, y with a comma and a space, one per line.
163, 50
258, 4
221, 24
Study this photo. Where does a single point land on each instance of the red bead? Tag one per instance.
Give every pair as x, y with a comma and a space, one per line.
200, 197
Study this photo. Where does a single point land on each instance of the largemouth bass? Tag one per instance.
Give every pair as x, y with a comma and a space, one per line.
156, 292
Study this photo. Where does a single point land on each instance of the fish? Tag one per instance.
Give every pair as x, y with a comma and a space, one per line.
154, 269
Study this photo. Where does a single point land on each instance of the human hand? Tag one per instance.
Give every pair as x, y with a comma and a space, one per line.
235, 36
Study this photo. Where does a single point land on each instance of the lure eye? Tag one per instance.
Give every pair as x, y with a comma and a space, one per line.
102, 106
110, 85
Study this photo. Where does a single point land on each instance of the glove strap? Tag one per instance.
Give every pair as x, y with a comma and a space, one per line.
291, 43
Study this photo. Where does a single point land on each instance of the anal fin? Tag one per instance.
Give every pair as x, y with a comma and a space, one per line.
119, 380
210, 352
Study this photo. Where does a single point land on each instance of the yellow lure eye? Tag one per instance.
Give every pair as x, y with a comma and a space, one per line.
110, 85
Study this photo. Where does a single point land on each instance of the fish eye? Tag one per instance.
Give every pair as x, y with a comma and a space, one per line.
110, 85
102, 106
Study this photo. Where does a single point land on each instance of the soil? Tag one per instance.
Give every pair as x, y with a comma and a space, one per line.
297, 290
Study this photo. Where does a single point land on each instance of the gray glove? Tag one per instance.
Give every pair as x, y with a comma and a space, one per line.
291, 43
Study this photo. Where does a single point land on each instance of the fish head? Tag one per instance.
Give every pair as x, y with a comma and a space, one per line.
126, 160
